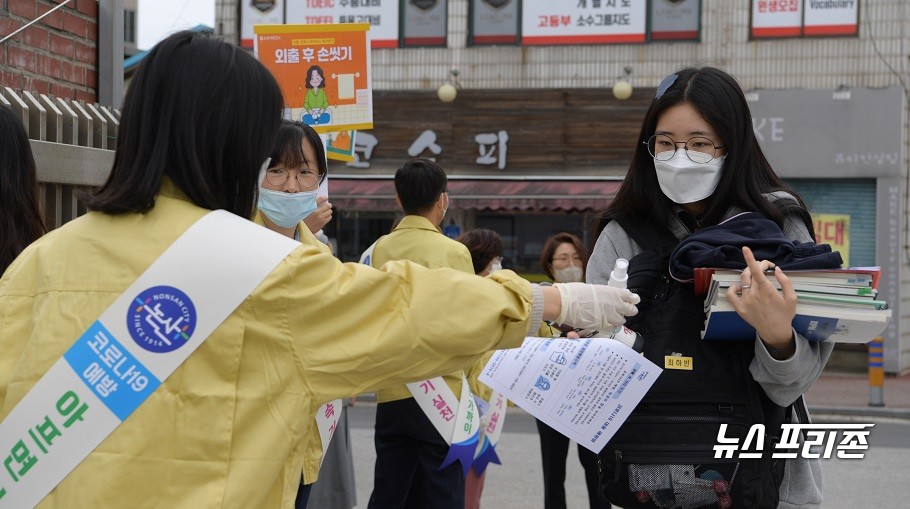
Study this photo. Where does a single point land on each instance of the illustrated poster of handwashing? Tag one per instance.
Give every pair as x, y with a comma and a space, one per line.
323, 72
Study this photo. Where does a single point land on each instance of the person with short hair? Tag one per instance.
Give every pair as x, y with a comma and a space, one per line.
409, 449
287, 205
485, 247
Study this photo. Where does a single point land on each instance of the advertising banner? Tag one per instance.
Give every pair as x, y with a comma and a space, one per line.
382, 16
675, 20
494, 22
425, 22
830, 134
831, 17
776, 18
323, 71
258, 12
583, 22
834, 230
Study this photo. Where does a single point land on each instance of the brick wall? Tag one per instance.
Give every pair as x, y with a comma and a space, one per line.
58, 55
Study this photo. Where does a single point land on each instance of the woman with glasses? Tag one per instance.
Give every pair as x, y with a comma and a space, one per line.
288, 205
696, 164
563, 260
288, 201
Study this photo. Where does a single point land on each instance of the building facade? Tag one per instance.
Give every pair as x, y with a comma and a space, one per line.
58, 55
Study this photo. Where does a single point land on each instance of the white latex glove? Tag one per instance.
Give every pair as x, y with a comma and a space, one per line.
595, 306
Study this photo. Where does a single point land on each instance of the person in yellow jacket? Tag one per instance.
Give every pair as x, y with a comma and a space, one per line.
486, 248
289, 204
227, 428
409, 449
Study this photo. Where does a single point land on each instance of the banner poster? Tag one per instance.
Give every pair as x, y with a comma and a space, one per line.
258, 12
834, 230
675, 20
339, 145
382, 16
831, 17
425, 22
494, 22
776, 18
583, 22
323, 72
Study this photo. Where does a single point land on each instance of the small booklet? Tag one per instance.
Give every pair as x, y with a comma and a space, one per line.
582, 388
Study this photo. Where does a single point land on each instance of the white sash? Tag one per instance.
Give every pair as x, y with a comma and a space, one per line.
131, 349
326, 420
456, 420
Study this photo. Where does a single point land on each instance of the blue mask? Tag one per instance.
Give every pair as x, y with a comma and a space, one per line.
286, 209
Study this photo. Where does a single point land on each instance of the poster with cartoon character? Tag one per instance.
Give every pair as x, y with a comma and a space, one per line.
323, 72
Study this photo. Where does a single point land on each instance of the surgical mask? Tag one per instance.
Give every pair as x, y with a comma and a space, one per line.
286, 209
571, 274
495, 266
685, 181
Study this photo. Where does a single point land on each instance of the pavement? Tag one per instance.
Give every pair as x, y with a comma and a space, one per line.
842, 394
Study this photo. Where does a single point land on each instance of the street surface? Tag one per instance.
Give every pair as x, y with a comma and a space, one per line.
878, 480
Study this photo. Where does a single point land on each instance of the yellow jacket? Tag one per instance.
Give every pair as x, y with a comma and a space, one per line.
417, 240
312, 447
227, 428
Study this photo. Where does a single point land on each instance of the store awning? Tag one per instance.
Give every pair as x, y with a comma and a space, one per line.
482, 194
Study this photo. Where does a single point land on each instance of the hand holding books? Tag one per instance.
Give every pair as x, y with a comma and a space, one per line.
761, 305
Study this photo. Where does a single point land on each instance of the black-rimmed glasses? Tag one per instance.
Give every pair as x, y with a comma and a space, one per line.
697, 149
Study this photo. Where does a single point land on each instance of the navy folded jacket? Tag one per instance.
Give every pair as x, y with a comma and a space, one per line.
720, 246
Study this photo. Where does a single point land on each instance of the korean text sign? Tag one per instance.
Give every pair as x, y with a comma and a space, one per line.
583, 22
323, 72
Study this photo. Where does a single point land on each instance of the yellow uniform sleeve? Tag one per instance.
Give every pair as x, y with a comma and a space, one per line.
358, 329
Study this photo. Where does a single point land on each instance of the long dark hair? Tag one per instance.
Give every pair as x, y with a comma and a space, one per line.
200, 111
20, 214
746, 174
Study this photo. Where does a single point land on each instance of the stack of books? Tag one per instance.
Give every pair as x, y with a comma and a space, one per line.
831, 305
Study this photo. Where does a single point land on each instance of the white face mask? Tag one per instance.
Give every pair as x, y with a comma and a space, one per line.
684, 181
494, 266
571, 274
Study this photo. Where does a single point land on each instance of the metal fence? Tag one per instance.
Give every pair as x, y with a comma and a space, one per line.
73, 143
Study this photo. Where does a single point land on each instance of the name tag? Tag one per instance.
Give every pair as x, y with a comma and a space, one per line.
677, 362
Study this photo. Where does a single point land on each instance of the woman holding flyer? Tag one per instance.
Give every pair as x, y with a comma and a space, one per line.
182, 351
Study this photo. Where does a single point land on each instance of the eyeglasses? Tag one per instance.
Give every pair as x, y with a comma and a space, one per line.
305, 177
698, 149
566, 259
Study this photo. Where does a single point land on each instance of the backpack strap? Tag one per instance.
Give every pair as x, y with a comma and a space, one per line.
647, 236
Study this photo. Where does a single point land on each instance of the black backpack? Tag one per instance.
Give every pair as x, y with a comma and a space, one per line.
663, 455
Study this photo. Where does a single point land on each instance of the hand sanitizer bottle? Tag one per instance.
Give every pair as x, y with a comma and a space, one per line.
618, 279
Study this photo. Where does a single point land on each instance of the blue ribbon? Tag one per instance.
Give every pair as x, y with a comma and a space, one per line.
463, 452
487, 455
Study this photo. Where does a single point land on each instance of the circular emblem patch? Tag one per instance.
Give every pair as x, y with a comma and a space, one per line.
162, 319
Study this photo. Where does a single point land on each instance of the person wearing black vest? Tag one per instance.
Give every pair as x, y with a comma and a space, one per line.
696, 163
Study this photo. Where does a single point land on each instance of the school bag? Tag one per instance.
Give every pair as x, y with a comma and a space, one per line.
663, 456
